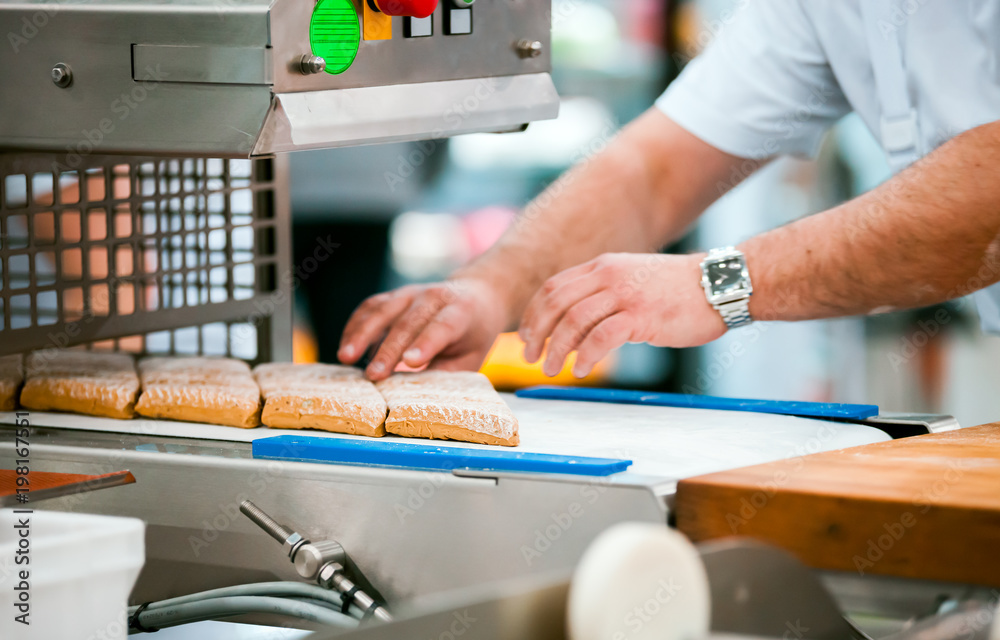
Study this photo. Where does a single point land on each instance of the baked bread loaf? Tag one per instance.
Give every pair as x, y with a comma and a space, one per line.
97, 384
320, 396
197, 389
11, 377
448, 405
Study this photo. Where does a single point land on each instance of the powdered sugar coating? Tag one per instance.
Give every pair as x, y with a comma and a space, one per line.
462, 399
196, 370
75, 362
322, 396
199, 389
93, 383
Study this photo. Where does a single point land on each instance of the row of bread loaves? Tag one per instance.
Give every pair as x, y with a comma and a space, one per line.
430, 404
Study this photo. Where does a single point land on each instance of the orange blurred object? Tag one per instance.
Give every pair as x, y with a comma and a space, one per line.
507, 369
305, 350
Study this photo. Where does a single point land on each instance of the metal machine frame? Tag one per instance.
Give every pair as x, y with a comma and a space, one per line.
151, 255
414, 534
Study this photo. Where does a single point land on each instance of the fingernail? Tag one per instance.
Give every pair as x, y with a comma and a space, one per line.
525, 334
411, 354
348, 351
578, 371
377, 367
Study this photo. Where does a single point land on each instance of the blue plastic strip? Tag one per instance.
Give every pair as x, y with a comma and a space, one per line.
380, 453
824, 410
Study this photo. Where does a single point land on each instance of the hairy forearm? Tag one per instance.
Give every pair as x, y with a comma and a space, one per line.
637, 195
595, 207
930, 234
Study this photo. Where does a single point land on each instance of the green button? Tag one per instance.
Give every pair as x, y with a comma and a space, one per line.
335, 33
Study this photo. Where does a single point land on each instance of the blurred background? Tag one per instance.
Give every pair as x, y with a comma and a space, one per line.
413, 212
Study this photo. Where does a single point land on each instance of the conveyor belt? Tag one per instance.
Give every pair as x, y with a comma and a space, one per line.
662, 442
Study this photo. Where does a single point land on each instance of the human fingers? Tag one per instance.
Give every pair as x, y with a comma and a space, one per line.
404, 329
547, 307
607, 335
446, 328
574, 326
370, 321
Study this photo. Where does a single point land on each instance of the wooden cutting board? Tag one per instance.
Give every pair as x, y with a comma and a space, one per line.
922, 507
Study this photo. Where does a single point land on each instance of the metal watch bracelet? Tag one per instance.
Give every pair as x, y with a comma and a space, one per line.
735, 314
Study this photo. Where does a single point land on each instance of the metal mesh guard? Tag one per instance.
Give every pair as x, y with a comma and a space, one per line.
139, 254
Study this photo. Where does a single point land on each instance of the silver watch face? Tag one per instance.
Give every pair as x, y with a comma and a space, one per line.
727, 279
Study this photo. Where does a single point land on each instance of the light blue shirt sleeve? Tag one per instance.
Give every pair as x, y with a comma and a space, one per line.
762, 87
988, 305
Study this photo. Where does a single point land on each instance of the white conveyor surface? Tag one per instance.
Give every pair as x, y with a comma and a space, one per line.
664, 442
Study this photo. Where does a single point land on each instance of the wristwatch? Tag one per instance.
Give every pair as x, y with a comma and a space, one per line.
726, 281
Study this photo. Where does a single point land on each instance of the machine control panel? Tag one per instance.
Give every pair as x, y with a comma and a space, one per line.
338, 27
385, 42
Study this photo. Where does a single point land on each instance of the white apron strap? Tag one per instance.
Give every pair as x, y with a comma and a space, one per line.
899, 128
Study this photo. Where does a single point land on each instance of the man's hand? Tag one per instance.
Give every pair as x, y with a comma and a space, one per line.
617, 298
640, 193
448, 325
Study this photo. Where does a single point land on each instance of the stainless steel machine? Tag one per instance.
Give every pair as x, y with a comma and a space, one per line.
98, 246
253, 78
144, 208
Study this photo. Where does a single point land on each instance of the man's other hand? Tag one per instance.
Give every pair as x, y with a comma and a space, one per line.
616, 298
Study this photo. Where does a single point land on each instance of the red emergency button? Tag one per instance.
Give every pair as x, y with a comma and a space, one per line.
411, 8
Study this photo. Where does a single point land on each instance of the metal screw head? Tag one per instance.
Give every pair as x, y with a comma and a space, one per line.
327, 573
291, 543
529, 48
308, 561
62, 75
309, 65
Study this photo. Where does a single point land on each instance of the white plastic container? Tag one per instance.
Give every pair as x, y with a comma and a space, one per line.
82, 568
